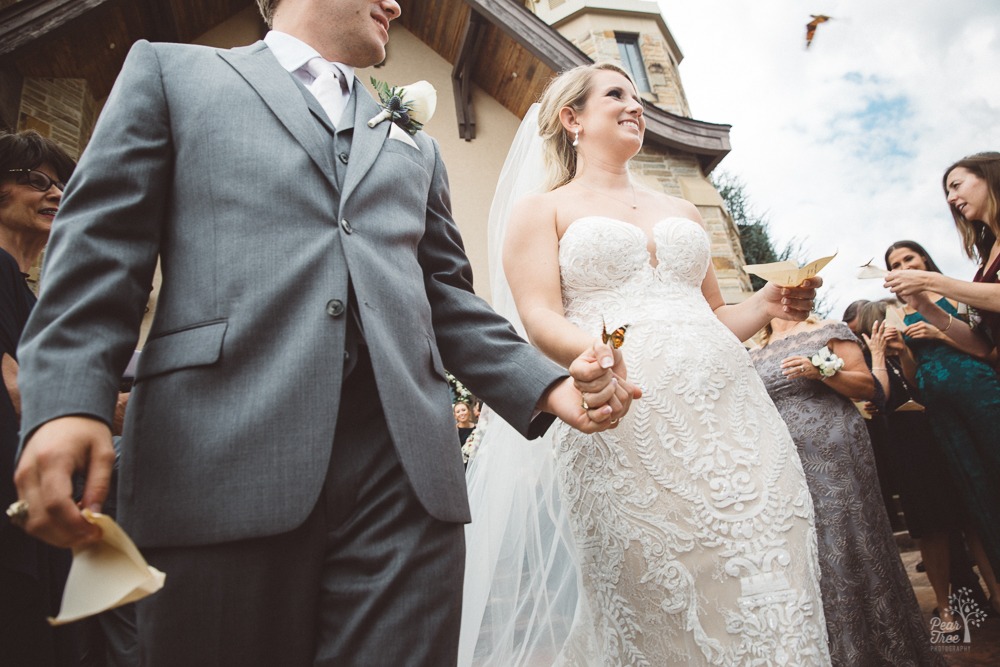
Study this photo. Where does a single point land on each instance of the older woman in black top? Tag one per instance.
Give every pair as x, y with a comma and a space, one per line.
33, 170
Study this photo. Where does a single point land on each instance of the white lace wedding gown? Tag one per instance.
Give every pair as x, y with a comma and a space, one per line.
692, 520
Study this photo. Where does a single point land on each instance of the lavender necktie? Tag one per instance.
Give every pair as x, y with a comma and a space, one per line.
329, 88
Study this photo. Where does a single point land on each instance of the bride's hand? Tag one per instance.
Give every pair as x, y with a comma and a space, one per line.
791, 303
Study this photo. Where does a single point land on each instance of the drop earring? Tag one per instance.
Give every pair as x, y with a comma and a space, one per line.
576, 139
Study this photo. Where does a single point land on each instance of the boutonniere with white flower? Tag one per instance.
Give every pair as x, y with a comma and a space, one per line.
826, 362
409, 107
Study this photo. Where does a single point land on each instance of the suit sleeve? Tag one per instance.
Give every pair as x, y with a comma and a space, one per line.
476, 344
102, 254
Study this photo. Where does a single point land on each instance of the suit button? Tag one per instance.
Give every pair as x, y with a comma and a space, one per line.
334, 307
346, 226
343, 157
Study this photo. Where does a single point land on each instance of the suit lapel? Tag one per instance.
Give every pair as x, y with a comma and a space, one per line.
284, 96
366, 142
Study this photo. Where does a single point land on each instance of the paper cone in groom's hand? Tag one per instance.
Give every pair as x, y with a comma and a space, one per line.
106, 575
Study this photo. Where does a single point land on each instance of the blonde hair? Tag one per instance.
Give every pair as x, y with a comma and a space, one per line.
267, 10
568, 89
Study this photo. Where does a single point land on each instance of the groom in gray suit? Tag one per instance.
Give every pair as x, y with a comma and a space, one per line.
289, 459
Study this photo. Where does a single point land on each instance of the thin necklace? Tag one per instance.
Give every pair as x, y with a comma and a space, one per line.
634, 203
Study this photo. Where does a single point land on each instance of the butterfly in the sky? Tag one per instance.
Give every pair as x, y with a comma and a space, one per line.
617, 337
811, 27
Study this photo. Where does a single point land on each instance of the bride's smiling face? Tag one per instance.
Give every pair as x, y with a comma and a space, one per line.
612, 112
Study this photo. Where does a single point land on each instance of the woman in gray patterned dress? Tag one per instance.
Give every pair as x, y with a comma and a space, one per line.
872, 615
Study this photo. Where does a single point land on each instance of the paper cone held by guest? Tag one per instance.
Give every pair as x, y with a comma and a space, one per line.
869, 271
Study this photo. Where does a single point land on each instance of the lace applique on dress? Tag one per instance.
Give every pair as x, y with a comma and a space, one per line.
692, 518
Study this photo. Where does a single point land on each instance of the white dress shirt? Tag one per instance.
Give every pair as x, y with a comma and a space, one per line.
294, 55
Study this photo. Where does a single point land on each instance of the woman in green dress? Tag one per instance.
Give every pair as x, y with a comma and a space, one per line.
961, 392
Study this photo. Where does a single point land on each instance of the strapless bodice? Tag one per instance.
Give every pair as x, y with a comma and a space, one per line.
607, 271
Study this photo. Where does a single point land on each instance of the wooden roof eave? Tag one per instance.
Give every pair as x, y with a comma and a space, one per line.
709, 141
28, 20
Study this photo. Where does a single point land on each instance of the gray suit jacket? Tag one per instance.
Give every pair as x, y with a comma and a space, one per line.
216, 163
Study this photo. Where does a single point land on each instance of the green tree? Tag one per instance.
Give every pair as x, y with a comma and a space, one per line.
755, 233
754, 228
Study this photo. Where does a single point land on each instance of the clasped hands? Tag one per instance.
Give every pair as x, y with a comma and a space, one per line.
596, 395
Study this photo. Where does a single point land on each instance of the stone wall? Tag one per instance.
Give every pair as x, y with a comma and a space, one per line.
680, 175
61, 109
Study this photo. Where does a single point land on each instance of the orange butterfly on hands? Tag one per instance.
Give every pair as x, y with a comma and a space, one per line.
812, 25
617, 337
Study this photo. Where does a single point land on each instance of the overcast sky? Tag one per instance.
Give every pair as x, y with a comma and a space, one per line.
844, 145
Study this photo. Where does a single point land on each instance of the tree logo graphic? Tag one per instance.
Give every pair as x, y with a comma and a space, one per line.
964, 608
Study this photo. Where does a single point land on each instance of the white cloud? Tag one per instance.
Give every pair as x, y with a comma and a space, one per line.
844, 144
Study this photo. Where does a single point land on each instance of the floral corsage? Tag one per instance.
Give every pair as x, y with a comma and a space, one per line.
471, 445
827, 363
409, 107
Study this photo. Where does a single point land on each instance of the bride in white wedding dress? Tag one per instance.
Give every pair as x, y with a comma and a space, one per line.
685, 535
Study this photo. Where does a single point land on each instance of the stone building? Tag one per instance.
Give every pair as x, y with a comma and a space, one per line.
488, 59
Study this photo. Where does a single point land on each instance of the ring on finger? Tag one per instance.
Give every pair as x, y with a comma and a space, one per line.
18, 513
583, 402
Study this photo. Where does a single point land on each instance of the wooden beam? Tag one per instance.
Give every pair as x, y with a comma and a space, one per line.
162, 24
11, 84
531, 32
709, 141
29, 20
461, 75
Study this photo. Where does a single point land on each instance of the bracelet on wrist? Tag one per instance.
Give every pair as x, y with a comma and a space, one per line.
948, 326
878, 369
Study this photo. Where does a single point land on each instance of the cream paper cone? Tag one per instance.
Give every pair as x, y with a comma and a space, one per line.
788, 273
894, 318
106, 575
869, 271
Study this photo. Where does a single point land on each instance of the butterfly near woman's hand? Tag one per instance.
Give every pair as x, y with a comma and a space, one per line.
616, 337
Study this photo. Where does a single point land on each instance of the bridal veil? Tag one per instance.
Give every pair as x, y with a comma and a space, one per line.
521, 598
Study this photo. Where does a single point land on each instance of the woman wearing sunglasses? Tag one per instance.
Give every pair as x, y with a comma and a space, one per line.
32, 172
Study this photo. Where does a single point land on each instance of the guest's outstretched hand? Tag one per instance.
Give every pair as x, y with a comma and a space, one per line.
792, 303
907, 282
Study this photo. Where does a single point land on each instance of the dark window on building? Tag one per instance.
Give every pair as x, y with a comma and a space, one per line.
628, 49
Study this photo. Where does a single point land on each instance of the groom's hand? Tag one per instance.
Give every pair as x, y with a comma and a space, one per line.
44, 479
